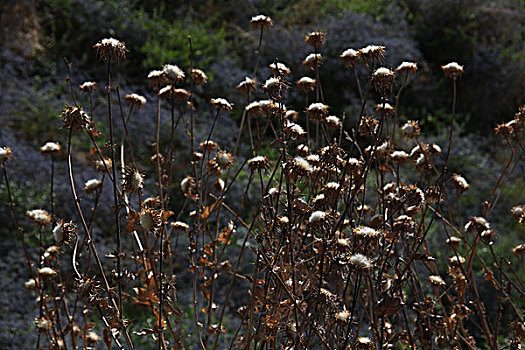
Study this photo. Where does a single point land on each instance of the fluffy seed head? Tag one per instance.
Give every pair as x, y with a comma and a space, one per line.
172, 73
221, 104
350, 56
110, 49
317, 217
47, 272
39, 216
135, 100
315, 39
279, 69
247, 86
436, 281
459, 182
5, 154
333, 122
407, 67
258, 162
92, 185
305, 84
360, 262
312, 60
180, 226
261, 21
372, 52
87, 86
383, 78
50, 148
452, 70
198, 76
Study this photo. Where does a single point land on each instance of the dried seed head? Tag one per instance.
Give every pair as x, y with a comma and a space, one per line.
295, 130
110, 49
180, 226
333, 122
453, 241
209, 146
133, 180
290, 115
40, 216
367, 126
364, 343
383, 78
372, 52
247, 86
518, 213
315, 39
198, 76
43, 324
457, 260
103, 165
188, 185
135, 100
258, 163
313, 60
436, 281
75, 118
5, 154
224, 159
305, 84
166, 91
92, 185
350, 56
92, 338
150, 219
50, 148
30, 284
410, 129
407, 67
459, 182
156, 79
272, 85
317, 217
47, 272
300, 167
477, 224
385, 108
360, 262
342, 316
219, 185
221, 104
279, 69
302, 150
64, 232
519, 250
152, 202
172, 73
452, 70
399, 156
261, 21
317, 110
87, 86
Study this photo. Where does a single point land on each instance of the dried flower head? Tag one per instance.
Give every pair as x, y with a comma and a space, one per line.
47, 272
407, 67
399, 156
221, 104
103, 165
410, 129
50, 148
198, 76
75, 118
384, 108
519, 250
247, 86
87, 86
459, 182
452, 70
209, 146
315, 38
224, 159
313, 60
258, 162
518, 213
31, 284
188, 185
272, 85
383, 78
180, 226
156, 79
64, 232
317, 217
364, 343
436, 281
133, 180
477, 224
135, 100
92, 338
172, 73
300, 167
367, 126
333, 122
290, 115
457, 260
350, 56
317, 110
372, 52
92, 185
279, 69
305, 84
110, 49
40, 216
43, 324
261, 21
150, 219
5, 154
360, 262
